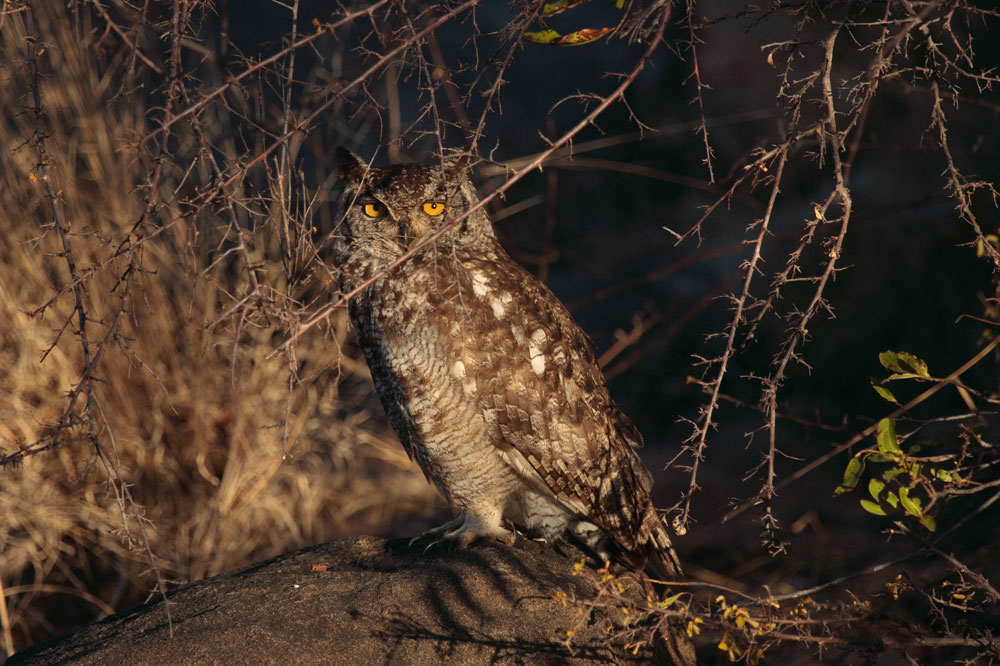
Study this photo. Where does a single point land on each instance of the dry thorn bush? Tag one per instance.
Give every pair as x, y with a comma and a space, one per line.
173, 456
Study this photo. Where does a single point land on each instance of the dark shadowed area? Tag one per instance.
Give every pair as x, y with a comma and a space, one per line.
358, 601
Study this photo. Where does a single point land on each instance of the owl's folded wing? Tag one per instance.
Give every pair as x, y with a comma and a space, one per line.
541, 389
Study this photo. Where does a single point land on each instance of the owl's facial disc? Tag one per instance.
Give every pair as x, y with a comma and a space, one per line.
421, 222
405, 227
398, 207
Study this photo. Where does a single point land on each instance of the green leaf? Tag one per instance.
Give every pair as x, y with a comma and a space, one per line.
582, 36
559, 6
916, 364
543, 37
887, 442
929, 522
890, 499
901, 375
669, 601
872, 507
890, 360
910, 504
908, 366
942, 474
552, 8
884, 392
891, 474
854, 468
875, 488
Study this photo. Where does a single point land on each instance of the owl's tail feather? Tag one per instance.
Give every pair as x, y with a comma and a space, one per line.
677, 645
663, 564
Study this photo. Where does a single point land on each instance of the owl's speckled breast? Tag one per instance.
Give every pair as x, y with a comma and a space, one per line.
414, 353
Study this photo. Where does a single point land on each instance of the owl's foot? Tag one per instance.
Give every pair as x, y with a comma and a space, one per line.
434, 535
465, 529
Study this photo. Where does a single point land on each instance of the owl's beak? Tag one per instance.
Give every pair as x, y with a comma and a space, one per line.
417, 230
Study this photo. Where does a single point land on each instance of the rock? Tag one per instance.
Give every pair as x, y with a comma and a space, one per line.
358, 601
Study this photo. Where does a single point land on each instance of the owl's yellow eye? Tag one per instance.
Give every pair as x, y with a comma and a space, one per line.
374, 209
434, 208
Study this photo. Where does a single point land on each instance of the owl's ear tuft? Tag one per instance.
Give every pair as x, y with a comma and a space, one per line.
455, 166
351, 167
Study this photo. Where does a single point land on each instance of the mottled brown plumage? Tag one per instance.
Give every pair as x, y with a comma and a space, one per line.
490, 384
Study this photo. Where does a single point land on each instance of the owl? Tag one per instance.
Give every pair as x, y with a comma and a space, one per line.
491, 386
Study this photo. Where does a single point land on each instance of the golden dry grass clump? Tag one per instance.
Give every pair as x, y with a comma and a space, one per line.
191, 418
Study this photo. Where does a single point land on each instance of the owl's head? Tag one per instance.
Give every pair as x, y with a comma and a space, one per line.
386, 211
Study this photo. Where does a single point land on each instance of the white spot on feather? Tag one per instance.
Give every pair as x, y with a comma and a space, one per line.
538, 365
458, 372
569, 388
480, 285
535, 353
497, 307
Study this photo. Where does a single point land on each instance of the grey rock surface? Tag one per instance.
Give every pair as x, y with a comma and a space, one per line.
369, 601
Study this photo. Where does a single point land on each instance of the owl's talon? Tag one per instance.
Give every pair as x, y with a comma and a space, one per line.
461, 532
432, 544
446, 529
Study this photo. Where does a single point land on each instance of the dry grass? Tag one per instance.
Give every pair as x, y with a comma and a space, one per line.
191, 415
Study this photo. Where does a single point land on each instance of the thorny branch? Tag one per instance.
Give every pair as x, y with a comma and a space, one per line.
844, 138
92, 350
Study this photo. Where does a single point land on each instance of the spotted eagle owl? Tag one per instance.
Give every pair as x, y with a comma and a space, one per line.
489, 383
